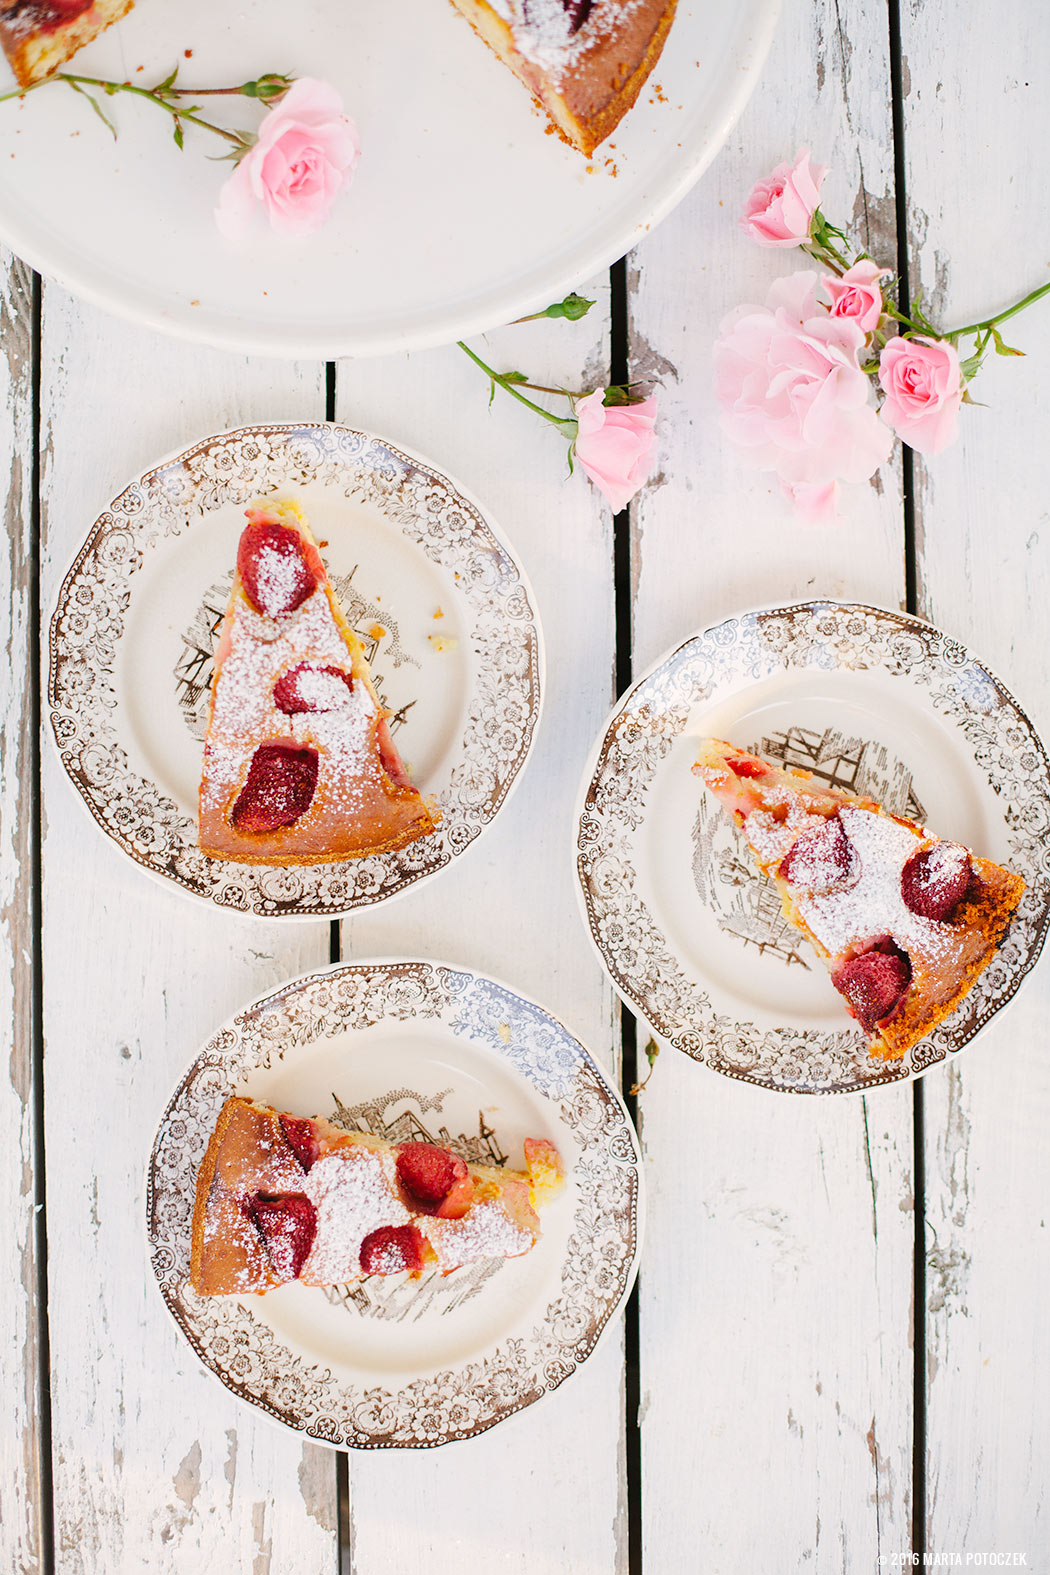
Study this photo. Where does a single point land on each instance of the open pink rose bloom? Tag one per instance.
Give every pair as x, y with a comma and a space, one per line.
924, 389
793, 395
306, 153
779, 209
856, 294
615, 445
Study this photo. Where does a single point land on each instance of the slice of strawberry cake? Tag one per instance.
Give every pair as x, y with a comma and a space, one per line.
299, 763
282, 1198
904, 921
38, 36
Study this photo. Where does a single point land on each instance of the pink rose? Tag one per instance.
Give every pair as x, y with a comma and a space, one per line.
924, 389
615, 444
857, 294
305, 154
780, 208
793, 396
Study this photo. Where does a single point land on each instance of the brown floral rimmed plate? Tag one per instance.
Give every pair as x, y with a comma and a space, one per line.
422, 1051
867, 699
443, 607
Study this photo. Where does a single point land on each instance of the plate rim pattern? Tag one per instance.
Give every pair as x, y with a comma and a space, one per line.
177, 494
636, 956
467, 1397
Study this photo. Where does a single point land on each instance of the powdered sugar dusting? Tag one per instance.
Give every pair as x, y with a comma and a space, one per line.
874, 906
354, 1191
245, 713
545, 33
486, 1232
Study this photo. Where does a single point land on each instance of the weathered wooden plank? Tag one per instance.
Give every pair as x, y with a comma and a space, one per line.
20, 1474
543, 1493
775, 1295
156, 1466
977, 166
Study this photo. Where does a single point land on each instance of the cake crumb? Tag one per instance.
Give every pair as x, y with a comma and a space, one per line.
504, 1032
438, 613
443, 642
376, 631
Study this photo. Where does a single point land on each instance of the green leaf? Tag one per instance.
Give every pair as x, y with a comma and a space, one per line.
620, 394
169, 81
513, 377
95, 105
177, 131
1000, 348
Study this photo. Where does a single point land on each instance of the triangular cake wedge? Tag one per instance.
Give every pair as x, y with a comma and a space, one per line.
584, 61
38, 36
904, 921
299, 764
283, 1197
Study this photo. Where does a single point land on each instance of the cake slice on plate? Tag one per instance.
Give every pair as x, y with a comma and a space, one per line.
584, 61
38, 36
299, 763
903, 920
282, 1198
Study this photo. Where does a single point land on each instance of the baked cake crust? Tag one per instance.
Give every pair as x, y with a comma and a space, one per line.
351, 1188
362, 801
584, 63
38, 36
844, 887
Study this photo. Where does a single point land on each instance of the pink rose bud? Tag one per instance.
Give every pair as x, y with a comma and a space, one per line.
615, 445
924, 389
857, 295
305, 154
781, 207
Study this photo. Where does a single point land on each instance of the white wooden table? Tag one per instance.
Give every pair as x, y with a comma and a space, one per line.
837, 1353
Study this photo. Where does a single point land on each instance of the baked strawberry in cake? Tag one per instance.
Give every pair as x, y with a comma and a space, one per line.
38, 36
584, 61
282, 1198
299, 763
904, 921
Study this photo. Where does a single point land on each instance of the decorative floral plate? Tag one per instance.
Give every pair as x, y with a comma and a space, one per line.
425, 1052
463, 213
443, 607
869, 700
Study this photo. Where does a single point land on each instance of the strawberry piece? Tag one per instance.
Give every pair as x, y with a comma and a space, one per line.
393, 1248
389, 757
279, 790
273, 568
822, 860
301, 1139
578, 11
873, 985
288, 1226
437, 1182
310, 688
935, 880
747, 768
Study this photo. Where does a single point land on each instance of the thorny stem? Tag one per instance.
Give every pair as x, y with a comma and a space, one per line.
558, 421
1011, 311
151, 94
826, 254
899, 317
